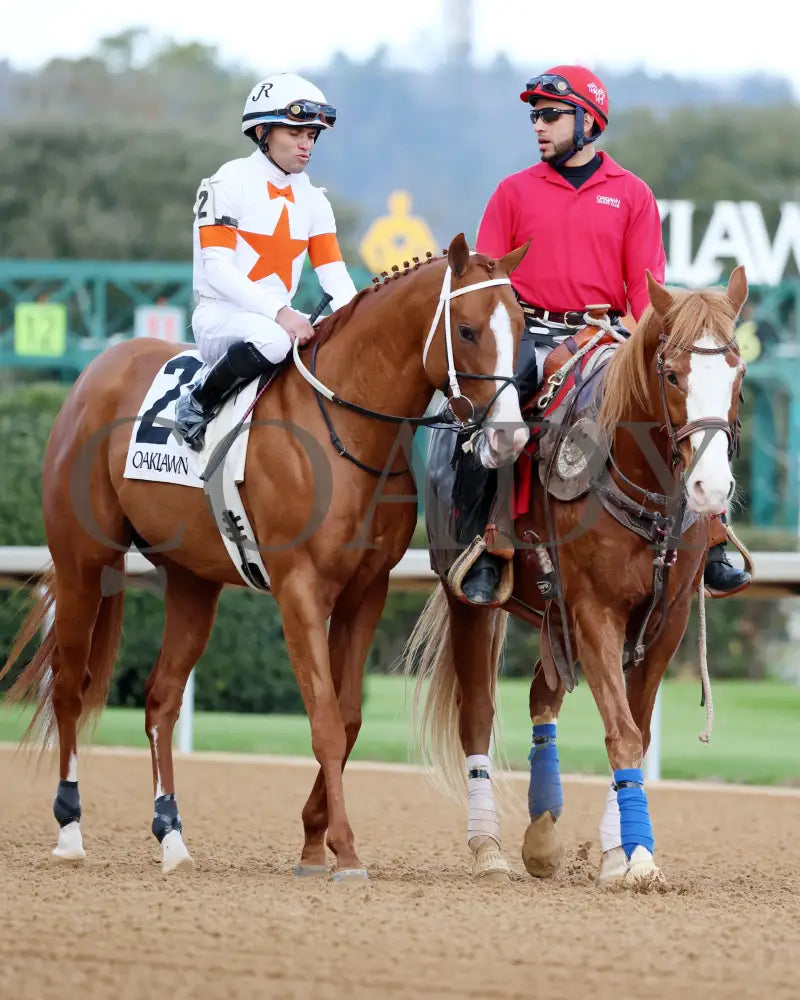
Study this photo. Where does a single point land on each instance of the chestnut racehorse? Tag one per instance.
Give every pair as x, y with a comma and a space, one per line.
451, 323
677, 380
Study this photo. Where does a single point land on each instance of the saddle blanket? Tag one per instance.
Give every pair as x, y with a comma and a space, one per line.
158, 453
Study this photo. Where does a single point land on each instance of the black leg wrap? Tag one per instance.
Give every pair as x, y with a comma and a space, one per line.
67, 804
166, 817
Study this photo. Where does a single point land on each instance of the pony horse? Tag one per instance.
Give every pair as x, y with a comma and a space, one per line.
328, 543
629, 555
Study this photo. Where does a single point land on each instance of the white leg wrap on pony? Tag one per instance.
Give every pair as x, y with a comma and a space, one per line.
483, 818
610, 825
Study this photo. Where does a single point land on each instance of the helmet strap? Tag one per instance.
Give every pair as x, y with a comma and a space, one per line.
579, 139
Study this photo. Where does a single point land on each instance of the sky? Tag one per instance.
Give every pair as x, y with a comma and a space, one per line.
684, 37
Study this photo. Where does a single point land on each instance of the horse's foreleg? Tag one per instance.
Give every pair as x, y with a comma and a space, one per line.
191, 604
352, 627
542, 849
307, 644
599, 642
642, 687
476, 638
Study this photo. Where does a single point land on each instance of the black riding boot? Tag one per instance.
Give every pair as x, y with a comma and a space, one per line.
240, 364
720, 575
482, 579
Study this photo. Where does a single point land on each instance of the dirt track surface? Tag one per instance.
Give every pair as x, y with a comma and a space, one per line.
240, 926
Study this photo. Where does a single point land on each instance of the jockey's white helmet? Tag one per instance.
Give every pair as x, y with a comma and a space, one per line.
286, 99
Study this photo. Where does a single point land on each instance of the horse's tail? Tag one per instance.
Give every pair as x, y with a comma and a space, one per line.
429, 652
35, 682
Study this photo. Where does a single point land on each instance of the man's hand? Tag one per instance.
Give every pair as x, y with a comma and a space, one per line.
296, 325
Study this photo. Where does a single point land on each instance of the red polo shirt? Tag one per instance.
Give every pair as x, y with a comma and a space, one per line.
587, 246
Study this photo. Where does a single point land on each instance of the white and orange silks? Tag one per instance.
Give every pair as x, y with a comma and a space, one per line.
254, 226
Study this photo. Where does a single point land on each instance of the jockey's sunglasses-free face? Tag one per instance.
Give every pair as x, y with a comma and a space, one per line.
550, 115
306, 112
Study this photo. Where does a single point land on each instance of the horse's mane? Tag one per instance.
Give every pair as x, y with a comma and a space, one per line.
328, 327
691, 315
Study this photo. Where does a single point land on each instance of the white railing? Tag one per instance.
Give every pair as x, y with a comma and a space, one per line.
777, 573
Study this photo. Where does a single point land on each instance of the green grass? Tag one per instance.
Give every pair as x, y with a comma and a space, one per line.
756, 736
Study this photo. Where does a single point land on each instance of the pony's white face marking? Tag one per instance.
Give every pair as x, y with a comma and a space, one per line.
505, 432
159, 789
710, 394
72, 769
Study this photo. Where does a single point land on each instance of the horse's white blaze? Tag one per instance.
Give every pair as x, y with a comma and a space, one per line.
506, 434
159, 789
710, 389
72, 768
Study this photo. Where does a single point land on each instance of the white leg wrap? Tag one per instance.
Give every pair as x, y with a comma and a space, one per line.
610, 826
483, 819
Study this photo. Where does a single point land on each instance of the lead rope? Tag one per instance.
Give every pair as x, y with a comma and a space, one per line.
705, 736
556, 380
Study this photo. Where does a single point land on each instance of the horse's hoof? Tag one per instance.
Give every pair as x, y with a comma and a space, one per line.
311, 871
643, 872
490, 865
174, 855
542, 849
613, 867
350, 875
69, 849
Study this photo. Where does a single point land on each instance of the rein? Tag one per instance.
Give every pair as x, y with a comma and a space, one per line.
451, 389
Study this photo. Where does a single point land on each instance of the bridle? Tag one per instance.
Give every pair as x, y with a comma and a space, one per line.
732, 429
450, 388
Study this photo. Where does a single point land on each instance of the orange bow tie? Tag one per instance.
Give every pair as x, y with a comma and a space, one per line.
275, 192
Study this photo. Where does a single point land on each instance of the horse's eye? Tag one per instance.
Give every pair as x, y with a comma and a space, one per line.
467, 333
673, 379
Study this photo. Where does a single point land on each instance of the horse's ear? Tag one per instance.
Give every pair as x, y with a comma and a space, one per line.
512, 259
659, 296
458, 255
737, 288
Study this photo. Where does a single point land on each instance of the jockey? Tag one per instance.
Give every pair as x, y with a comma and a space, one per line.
255, 221
594, 228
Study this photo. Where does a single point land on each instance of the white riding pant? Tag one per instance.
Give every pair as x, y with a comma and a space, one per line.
216, 325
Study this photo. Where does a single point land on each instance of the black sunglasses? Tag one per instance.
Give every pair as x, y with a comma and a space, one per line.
550, 115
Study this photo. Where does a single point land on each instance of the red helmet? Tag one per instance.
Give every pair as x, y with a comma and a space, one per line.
574, 85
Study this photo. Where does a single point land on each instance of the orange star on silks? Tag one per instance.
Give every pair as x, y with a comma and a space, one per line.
276, 192
276, 253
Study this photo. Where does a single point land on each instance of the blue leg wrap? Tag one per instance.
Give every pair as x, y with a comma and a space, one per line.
544, 790
637, 831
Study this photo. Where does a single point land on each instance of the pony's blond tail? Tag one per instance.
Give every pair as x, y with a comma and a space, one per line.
436, 730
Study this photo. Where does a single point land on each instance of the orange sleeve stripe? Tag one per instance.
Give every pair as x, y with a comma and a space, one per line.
217, 236
324, 249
